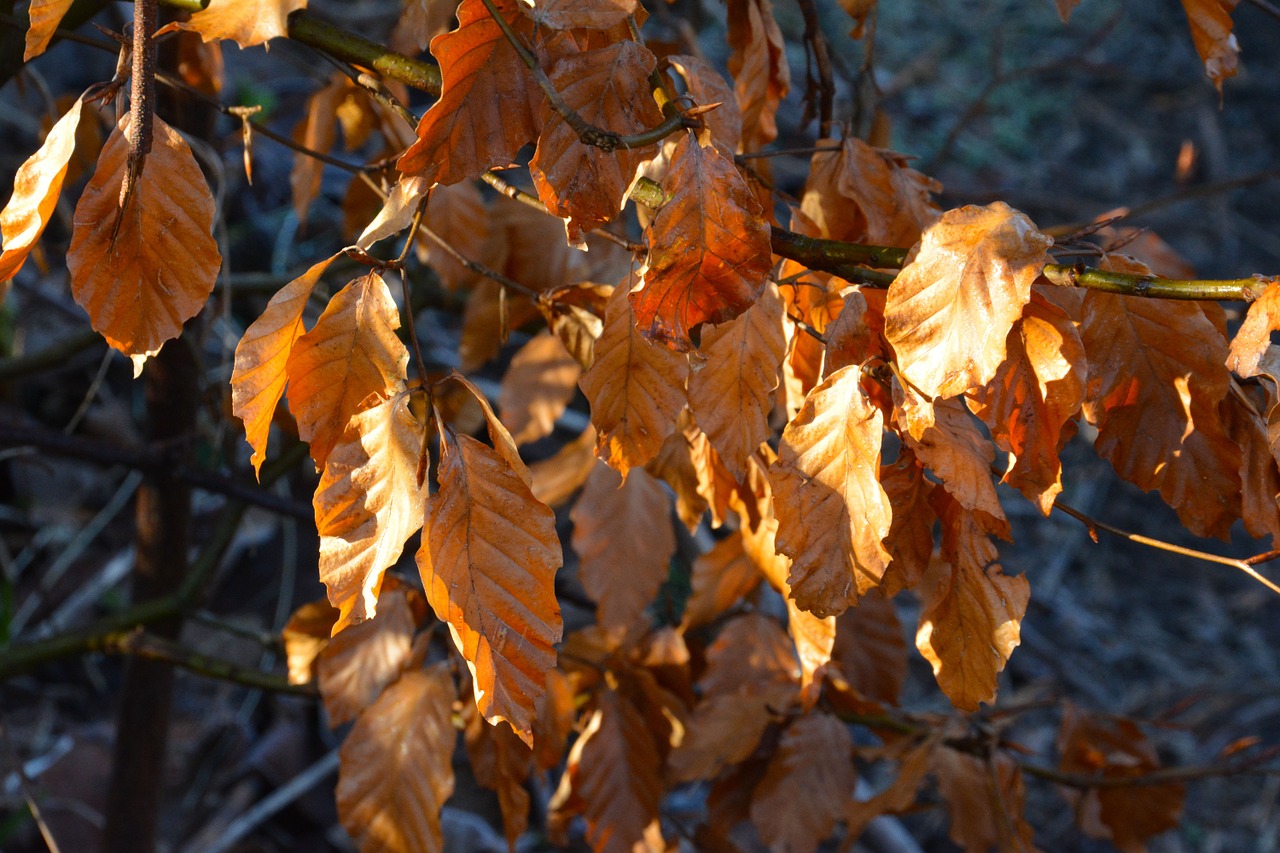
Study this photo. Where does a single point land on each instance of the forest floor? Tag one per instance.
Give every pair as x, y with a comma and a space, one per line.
1065, 123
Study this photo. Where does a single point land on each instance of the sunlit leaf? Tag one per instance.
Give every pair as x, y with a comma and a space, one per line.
305, 635
396, 766
758, 63
246, 22
807, 784
361, 661
44, 17
1211, 24
160, 268
572, 14
537, 387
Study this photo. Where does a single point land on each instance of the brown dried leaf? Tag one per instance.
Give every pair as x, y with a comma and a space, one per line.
584, 14
950, 309
1211, 24
636, 389
751, 655
489, 104
305, 635
952, 446
36, 188
758, 63
722, 730
709, 252
557, 477
1033, 396
317, 131
44, 17
986, 801
396, 766
501, 762
361, 661
368, 503
870, 650
488, 560
419, 23
259, 375
719, 579
910, 539
971, 612
537, 387
246, 22
573, 313
1156, 377
705, 86
731, 393
351, 353
807, 785
1253, 340
609, 89
624, 539
814, 638
833, 515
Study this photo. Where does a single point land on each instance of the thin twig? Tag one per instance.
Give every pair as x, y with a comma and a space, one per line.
1094, 526
825, 86
151, 647
477, 267
273, 803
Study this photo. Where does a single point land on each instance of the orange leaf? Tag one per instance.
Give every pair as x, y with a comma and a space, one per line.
870, 650
489, 103
624, 539
350, 353
556, 478
164, 261
396, 765
1259, 476
418, 24
951, 308
706, 87
614, 777
36, 188
814, 638
359, 663
719, 579
1117, 749
636, 389
457, 214
317, 131
758, 63
751, 655
1253, 340
368, 503
573, 313
685, 464
722, 730
861, 194
501, 762
807, 784
971, 611
608, 88
488, 561
910, 539
1210, 22
258, 379
833, 514
951, 445
246, 22
986, 801
305, 636
585, 14
1156, 376
709, 254
899, 795
1034, 394
44, 17
731, 394
537, 387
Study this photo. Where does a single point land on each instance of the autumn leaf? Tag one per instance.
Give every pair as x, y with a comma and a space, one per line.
360, 662
558, 477
899, 795
1128, 815
396, 765
489, 103
574, 14
350, 353
722, 730
488, 560
1253, 339
951, 308
814, 637
614, 778
305, 636
623, 536
709, 252
910, 539
36, 188
1156, 377
758, 63
636, 389
608, 88
368, 503
720, 578
574, 314
986, 801
457, 214
1211, 24
159, 269
971, 612
1033, 396
751, 655
731, 393
317, 131
501, 762
259, 375
1259, 476
807, 784
44, 17
707, 87
537, 387
685, 463
246, 22
869, 649
833, 514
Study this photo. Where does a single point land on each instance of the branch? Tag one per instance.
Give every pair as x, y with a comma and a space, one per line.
151, 647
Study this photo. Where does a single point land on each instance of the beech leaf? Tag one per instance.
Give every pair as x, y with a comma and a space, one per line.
159, 270
1211, 24
1253, 339
36, 188
259, 375
709, 254
807, 785
951, 308
351, 352
246, 22
488, 560
44, 17
396, 766
833, 515
359, 663
585, 14
537, 387
758, 63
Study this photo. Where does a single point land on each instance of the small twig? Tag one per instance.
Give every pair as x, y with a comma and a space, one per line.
825, 84
788, 152
514, 193
1245, 566
419, 362
273, 803
1267, 7
1163, 776
477, 267
151, 647
24, 782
